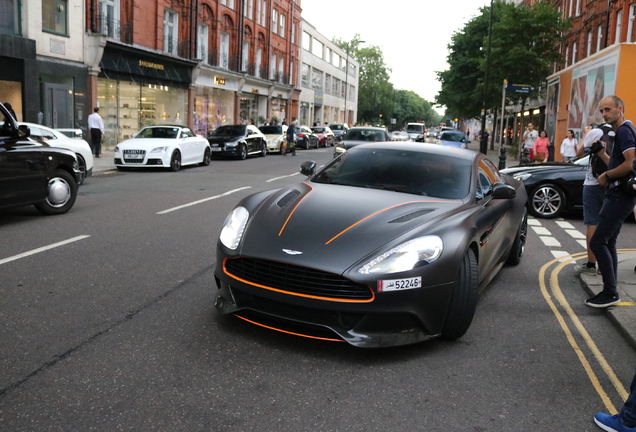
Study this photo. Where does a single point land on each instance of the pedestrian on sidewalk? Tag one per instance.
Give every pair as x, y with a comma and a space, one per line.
96, 126
541, 146
291, 136
528, 139
569, 147
617, 205
625, 420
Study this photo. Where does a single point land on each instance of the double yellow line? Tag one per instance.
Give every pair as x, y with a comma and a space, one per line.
554, 290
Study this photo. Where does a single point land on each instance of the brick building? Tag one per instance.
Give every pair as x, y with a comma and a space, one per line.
196, 62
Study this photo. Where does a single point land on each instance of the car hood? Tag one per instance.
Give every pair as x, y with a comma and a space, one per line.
273, 136
224, 139
145, 143
543, 167
333, 227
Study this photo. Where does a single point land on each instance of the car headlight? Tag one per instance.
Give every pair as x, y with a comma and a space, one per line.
159, 149
522, 176
231, 144
340, 150
116, 149
233, 227
405, 256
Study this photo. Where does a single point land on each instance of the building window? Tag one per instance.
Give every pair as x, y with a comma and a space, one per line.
589, 43
571, 7
316, 79
249, 9
107, 18
259, 61
224, 53
574, 46
567, 55
335, 87
261, 13
619, 26
272, 67
578, 7
274, 21
281, 31
246, 55
630, 25
10, 17
203, 32
281, 68
316, 48
306, 41
328, 88
54, 16
293, 33
170, 31
599, 38
304, 75
228, 3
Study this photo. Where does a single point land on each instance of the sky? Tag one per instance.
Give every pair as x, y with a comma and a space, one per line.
412, 34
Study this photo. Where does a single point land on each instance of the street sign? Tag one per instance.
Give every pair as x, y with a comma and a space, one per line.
518, 88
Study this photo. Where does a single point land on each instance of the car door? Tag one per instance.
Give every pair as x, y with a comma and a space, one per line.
22, 173
492, 224
195, 152
253, 140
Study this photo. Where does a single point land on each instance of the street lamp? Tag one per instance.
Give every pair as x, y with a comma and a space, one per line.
483, 144
346, 119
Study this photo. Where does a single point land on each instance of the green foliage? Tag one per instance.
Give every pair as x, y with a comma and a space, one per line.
524, 43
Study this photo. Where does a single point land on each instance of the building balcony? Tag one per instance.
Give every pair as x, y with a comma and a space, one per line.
114, 29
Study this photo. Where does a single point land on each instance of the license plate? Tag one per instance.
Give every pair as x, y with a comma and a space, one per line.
216, 149
134, 156
399, 284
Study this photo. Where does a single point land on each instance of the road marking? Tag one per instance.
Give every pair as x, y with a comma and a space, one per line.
43, 249
281, 177
541, 230
562, 256
534, 222
575, 233
203, 200
582, 243
550, 241
565, 224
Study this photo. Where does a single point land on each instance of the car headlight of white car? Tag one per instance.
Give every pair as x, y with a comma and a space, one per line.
159, 149
234, 227
117, 149
405, 256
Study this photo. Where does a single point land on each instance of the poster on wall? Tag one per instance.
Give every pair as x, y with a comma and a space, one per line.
590, 83
552, 103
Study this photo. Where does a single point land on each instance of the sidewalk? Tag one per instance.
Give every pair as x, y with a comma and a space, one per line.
104, 163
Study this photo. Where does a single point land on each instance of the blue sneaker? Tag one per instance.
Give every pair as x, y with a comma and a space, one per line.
611, 423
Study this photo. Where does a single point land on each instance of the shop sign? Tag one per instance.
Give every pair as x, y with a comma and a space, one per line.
220, 81
58, 46
147, 64
255, 91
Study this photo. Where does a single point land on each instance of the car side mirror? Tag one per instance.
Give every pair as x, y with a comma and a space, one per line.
23, 131
308, 168
503, 191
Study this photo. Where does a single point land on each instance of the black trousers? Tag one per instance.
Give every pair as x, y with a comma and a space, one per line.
96, 141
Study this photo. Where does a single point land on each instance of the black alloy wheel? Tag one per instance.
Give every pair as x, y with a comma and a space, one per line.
547, 201
263, 152
519, 243
175, 161
207, 156
464, 300
242, 152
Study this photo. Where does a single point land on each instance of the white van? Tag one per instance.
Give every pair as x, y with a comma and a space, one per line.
417, 131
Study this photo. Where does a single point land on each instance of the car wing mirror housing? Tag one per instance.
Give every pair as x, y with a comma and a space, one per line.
503, 191
23, 131
308, 168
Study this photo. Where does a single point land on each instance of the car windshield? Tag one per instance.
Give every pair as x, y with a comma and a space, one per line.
452, 136
229, 131
271, 130
415, 128
318, 130
364, 135
336, 127
401, 171
158, 132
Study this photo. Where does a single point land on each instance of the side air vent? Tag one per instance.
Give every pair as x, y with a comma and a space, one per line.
410, 216
287, 198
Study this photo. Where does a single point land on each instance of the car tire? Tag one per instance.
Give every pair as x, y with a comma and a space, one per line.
263, 150
61, 194
207, 156
82, 167
518, 245
464, 299
175, 161
242, 152
547, 201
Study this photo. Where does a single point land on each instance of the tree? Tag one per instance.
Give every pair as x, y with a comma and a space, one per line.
524, 43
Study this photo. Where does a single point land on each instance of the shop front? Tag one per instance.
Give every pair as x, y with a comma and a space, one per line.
19, 69
213, 102
136, 89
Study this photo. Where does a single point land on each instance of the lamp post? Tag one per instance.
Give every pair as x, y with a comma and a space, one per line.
346, 120
483, 144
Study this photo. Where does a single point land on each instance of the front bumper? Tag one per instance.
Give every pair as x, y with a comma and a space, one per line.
389, 319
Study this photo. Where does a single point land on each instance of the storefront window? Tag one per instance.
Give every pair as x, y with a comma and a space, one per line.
11, 91
107, 101
213, 108
278, 110
304, 113
249, 108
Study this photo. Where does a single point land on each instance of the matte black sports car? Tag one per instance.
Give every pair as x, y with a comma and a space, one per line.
387, 244
552, 187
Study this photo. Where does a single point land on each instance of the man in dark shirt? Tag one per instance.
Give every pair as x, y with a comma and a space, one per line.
617, 205
291, 137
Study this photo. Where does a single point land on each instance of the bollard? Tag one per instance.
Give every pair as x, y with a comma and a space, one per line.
502, 157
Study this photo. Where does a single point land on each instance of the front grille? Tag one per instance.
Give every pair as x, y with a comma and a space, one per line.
297, 279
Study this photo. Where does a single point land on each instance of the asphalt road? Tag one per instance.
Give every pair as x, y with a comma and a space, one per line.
115, 330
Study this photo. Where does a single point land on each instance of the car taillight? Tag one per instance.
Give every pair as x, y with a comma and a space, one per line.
301, 135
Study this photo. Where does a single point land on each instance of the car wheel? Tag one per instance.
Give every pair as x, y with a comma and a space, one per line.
242, 152
263, 150
464, 300
61, 194
518, 245
175, 161
207, 155
82, 167
547, 201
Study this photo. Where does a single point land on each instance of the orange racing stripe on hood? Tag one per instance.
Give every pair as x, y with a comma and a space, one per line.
294, 209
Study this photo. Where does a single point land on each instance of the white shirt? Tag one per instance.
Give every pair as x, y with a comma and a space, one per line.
568, 147
531, 137
95, 122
